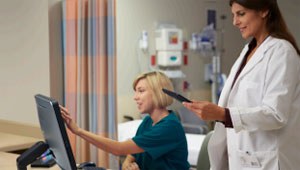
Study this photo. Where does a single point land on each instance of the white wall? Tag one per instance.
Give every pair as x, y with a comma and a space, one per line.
24, 58
27, 54
55, 50
291, 13
133, 16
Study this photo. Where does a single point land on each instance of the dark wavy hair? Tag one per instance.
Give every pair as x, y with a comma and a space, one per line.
276, 25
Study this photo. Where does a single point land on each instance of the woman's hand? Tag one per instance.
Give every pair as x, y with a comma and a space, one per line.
206, 110
129, 163
69, 121
130, 166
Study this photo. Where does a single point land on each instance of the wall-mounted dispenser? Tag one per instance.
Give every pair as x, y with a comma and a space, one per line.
169, 45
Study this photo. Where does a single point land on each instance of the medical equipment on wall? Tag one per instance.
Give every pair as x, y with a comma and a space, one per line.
168, 43
169, 47
143, 41
205, 43
142, 49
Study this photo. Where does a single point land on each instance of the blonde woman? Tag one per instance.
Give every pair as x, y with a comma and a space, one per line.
160, 141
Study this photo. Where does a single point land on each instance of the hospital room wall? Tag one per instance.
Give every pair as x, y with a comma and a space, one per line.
30, 48
30, 56
24, 58
291, 13
134, 16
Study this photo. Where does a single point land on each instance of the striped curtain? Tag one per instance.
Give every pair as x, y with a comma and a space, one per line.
90, 74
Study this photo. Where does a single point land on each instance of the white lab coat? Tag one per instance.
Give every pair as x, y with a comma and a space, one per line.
264, 106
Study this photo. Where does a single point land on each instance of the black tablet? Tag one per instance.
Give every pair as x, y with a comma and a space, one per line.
176, 96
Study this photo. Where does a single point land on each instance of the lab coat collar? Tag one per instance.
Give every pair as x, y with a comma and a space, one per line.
257, 56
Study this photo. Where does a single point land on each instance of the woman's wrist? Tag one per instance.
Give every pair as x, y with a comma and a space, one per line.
223, 115
79, 132
226, 120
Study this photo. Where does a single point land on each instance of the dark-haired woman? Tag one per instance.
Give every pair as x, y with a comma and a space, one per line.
258, 114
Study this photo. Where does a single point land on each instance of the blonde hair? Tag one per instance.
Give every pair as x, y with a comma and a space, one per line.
157, 81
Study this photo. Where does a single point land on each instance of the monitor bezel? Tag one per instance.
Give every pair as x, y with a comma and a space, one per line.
52, 107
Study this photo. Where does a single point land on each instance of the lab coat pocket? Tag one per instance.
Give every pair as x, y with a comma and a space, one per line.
258, 160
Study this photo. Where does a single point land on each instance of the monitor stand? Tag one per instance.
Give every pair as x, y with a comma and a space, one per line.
31, 154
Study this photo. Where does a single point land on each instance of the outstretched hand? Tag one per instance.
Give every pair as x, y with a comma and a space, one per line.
68, 120
130, 166
206, 110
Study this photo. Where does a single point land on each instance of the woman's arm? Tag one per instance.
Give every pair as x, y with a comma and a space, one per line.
106, 144
109, 145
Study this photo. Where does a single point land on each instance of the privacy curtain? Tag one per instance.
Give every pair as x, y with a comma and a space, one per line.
90, 74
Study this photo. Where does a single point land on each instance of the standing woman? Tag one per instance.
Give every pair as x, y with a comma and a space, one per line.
160, 142
258, 114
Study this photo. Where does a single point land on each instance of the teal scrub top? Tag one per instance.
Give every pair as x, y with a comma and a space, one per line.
164, 144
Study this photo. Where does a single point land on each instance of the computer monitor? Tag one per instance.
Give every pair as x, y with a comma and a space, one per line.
54, 131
